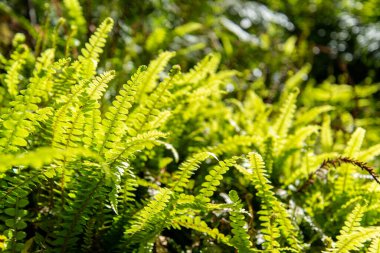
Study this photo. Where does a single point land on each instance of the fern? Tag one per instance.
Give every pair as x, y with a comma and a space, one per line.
21, 120
40, 157
338, 162
130, 185
14, 199
240, 239
273, 213
85, 126
186, 169
353, 221
326, 135
143, 222
283, 123
80, 205
213, 179
89, 165
198, 225
154, 69
134, 144
93, 127
355, 240
89, 234
90, 53
370, 153
113, 121
298, 139
375, 246
75, 14
312, 114
353, 235
148, 112
232, 144
355, 142
15, 65
69, 121
295, 80
207, 65
353, 146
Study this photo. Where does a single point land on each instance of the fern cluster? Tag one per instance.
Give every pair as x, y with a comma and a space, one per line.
84, 168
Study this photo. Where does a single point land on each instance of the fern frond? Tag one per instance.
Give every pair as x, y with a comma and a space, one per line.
98, 85
134, 144
259, 176
128, 186
64, 80
13, 70
14, 190
240, 240
147, 184
80, 205
75, 14
355, 240
209, 88
326, 134
70, 131
14, 131
355, 142
149, 110
93, 128
269, 148
186, 169
144, 222
295, 80
312, 114
296, 140
114, 120
270, 228
89, 59
25, 114
88, 235
353, 220
285, 119
196, 223
41, 84
206, 66
342, 211
353, 147
375, 246
42, 156
232, 144
370, 153
82, 101
336, 162
155, 67
212, 180
19, 123
45, 60
273, 213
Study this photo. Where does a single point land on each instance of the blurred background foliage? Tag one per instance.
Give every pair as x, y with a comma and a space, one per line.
262, 38
334, 44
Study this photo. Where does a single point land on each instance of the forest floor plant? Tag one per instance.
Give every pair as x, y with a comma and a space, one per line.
173, 162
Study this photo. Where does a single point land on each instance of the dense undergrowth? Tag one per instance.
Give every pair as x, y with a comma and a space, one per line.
178, 161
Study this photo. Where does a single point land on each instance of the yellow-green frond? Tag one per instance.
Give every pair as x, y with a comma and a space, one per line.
286, 114
92, 50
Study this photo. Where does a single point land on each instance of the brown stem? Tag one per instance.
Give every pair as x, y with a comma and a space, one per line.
336, 162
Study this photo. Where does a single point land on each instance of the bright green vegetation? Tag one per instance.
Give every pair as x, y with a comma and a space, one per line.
174, 161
